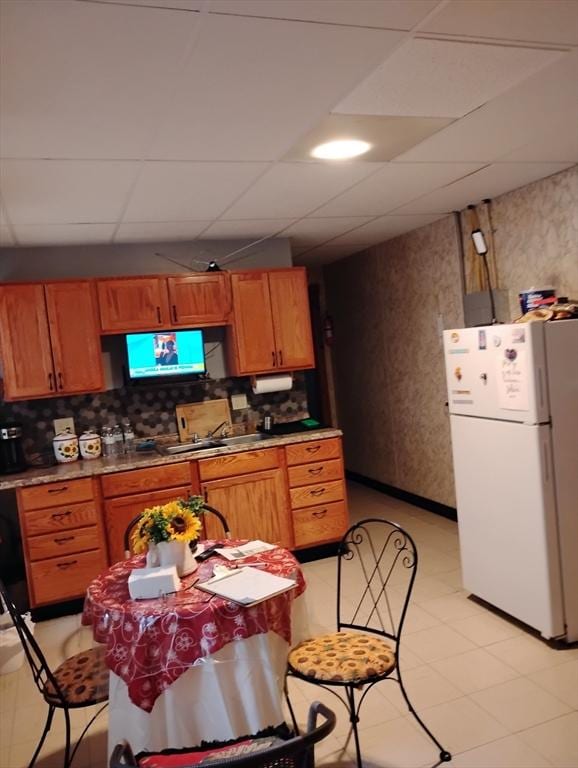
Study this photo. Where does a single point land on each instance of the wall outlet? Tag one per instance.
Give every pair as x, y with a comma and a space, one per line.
238, 402
61, 424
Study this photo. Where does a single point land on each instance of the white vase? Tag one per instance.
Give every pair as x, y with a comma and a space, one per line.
176, 553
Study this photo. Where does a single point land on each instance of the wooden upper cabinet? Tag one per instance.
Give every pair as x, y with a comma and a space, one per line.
291, 318
253, 338
25, 341
74, 333
202, 299
133, 304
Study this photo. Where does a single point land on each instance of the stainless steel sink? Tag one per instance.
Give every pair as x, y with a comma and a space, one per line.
240, 439
200, 445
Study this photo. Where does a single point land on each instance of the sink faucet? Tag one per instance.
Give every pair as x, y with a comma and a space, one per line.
223, 425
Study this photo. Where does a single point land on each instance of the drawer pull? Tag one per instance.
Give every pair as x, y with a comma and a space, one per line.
58, 490
158, 314
313, 448
318, 491
174, 313
63, 539
316, 471
320, 513
66, 564
60, 515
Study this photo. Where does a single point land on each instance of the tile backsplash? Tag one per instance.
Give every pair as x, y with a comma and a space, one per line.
150, 409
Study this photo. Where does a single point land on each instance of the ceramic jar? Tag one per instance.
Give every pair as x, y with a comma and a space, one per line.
65, 446
90, 447
177, 553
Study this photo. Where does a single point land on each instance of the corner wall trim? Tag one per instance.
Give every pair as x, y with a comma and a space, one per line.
412, 498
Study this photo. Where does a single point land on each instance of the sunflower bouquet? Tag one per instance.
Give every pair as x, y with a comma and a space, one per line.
175, 521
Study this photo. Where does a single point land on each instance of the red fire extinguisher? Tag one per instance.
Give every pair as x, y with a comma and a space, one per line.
328, 330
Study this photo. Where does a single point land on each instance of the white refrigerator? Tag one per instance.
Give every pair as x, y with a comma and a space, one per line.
513, 402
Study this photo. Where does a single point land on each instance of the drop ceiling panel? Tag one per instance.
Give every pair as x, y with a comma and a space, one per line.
142, 232
325, 254
85, 80
394, 185
296, 189
558, 144
319, 230
545, 21
171, 5
65, 191
392, 14
409, 82
490, 182
253, 85
246, 228
524, 112
188, 191
64, 234
384, 228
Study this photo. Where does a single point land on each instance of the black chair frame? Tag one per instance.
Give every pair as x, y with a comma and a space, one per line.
43, 677
297, 752
400, 548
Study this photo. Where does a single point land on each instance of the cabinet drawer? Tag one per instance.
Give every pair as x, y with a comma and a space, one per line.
58, 544
317, 472
317, 525
229, 465
56, 494
60, 518
149, 479
315, 450
311, 495
62, 578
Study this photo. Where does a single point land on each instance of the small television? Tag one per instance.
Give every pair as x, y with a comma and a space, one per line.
165, 354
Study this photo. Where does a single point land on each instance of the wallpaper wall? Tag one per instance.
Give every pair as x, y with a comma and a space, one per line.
389, 304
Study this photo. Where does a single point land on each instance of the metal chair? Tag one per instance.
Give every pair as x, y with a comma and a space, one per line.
297, 752
206, 508
382, 558
80, 681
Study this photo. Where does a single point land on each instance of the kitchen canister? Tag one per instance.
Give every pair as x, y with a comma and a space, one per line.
90, 446
65, 446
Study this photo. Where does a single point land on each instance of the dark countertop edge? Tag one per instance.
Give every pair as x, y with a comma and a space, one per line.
94, 467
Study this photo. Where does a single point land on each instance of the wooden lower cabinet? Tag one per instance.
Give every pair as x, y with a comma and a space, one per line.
255, 506
319, 525
64, 578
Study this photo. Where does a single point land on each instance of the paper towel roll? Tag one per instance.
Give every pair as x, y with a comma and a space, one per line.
278, 383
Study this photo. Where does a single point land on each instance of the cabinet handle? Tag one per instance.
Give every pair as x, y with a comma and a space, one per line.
159, 314
280, 357
313, 448
66, 564
274, 359
50, 383
58, 490
175, 313
63, 539
60, 515
319, 513
316, 471
206, 495
60, 382
318, 491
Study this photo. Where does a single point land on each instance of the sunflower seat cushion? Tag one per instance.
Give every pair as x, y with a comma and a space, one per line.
342, 657
83, 679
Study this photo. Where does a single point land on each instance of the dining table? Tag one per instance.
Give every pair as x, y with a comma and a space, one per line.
193, 667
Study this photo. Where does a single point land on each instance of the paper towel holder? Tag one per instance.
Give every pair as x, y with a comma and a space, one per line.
254, 379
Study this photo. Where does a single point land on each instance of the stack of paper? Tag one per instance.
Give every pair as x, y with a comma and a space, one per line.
246, 550
247, 586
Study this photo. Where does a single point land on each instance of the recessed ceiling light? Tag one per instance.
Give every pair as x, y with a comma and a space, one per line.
342, 149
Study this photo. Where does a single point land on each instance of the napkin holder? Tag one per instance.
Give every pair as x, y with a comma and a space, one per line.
147, 583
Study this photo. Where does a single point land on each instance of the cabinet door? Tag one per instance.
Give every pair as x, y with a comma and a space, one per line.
253, 325
75, 337
25, 342
291, 318
119, 512
133, 304
202, 299
255, 507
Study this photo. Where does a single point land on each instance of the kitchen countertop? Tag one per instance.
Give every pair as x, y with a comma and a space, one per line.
106, 466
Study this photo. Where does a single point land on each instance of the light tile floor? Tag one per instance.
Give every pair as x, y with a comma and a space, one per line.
495, 694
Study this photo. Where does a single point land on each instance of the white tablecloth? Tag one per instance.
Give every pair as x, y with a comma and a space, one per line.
235, 692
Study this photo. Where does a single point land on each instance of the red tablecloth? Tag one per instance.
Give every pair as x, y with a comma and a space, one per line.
150, 643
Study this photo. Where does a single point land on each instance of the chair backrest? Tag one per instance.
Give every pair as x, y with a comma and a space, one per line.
41, 672
206, 508
294, 753
376, 568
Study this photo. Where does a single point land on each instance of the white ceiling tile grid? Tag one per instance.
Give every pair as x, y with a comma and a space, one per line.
314, 231
64, 234
147, 231
384, 228
225, 229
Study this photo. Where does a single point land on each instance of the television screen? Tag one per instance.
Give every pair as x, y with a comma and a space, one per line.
165, 353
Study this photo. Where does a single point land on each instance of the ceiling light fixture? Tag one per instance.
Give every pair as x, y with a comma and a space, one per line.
341, 149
